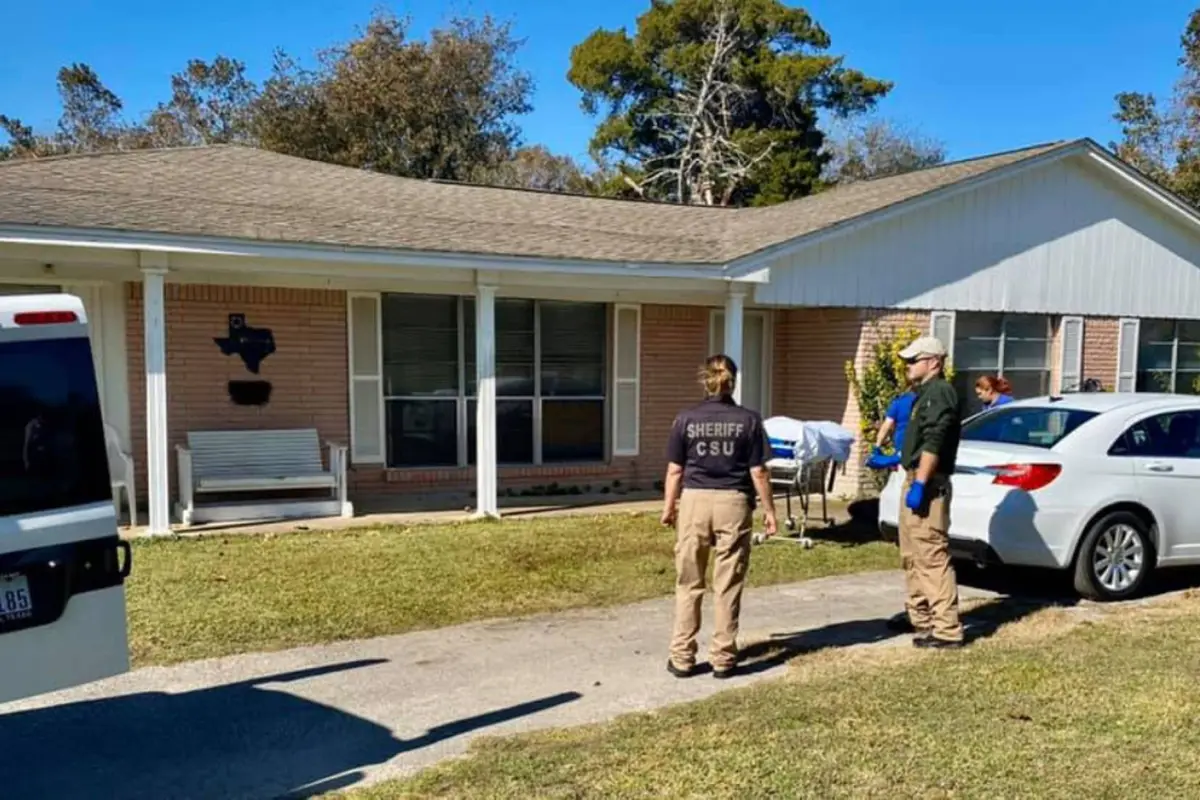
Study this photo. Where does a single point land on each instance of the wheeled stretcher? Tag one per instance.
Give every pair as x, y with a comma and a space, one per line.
803, 453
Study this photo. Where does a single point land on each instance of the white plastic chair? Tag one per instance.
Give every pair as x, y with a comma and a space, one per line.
120, 471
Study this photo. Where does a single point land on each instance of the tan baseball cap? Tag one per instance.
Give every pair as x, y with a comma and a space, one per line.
924, 346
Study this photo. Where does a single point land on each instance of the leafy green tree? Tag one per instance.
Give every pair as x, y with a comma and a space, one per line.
211, 103
535, 167
1163, 139
90, 121
878, 149
442, 108
716, 102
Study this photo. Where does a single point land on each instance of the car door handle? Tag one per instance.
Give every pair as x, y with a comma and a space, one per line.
1158, 466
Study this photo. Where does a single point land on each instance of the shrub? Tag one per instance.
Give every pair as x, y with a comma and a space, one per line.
882, 378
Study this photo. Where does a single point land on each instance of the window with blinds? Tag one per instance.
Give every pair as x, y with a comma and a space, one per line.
1167, 356
1016, 347
413, 380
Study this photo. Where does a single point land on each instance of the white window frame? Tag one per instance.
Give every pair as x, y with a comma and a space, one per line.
1174, 374
463, 399
356, 457
1128, 327
716, 343
618, 381
1005, 315
1078, 375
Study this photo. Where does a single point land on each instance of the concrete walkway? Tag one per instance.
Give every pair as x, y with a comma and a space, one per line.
318, 719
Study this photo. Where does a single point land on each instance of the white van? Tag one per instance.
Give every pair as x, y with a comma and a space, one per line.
62, 565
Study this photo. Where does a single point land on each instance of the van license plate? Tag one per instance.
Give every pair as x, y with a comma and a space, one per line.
15, 601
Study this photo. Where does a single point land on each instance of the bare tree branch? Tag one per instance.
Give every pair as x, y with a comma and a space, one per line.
702, 160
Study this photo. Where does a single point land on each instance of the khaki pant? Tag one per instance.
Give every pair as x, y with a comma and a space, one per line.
932, 601
719, 522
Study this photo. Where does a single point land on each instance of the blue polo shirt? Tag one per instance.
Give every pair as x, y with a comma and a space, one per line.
900, 410
1001, 400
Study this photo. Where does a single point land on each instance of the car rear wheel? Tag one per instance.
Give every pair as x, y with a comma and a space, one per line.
1115, 557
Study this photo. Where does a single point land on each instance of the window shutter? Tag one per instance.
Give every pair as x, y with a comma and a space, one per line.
366, 379
941, 326
1071, 359
1127, 346
627, 324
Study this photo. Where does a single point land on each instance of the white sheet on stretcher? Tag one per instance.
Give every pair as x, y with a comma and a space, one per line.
814, 440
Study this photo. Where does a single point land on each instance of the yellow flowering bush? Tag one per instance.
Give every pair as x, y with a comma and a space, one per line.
882, 378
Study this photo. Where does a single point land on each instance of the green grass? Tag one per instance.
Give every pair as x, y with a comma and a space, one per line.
1059, 705
202, 597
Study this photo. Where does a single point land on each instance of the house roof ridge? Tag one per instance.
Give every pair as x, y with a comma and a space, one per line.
135, 151
238, 191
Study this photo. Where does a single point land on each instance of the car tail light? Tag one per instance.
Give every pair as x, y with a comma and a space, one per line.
44, 317
1025, 476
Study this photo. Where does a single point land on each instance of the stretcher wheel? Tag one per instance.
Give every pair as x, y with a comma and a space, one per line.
790, 523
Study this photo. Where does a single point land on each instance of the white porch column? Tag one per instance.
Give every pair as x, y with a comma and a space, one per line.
157, 481
485, 402
734, 324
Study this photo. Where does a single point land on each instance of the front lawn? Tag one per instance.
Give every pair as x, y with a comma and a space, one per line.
1064, 704
213, 596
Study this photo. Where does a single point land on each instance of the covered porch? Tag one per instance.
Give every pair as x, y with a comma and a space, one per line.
156, 310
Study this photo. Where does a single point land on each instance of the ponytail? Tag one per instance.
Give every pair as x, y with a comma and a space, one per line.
719, 376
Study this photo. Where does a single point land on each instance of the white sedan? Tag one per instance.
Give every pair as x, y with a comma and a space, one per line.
1105, 485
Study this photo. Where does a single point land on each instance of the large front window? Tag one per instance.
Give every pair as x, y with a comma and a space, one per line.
1168, 358
551, 379
1012, 346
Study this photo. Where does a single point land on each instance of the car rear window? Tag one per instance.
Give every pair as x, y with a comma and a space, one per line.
52, 449
1032, 426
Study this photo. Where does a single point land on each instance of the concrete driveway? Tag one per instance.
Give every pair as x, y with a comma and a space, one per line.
312, 720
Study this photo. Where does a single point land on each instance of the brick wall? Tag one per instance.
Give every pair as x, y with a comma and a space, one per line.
1100, 335
812, 347
307, 371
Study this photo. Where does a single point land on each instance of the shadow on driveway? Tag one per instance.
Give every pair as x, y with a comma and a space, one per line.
980, 622
241, 740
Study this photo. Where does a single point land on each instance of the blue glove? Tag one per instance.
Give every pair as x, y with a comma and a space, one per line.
915, 497
880, 461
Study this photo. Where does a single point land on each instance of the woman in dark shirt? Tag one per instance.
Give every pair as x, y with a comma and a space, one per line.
717, 457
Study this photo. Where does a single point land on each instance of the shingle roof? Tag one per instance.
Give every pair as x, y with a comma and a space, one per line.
244, 193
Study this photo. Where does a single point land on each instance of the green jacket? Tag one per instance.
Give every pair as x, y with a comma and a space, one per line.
935, 427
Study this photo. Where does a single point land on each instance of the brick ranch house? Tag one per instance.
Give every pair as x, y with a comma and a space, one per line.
581, 320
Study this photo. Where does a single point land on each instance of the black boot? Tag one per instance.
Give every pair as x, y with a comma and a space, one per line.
679, 672
931, 642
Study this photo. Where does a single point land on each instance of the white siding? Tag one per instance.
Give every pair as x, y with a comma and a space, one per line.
1069, 237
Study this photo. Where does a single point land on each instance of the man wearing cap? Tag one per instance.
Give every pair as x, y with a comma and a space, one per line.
927, 457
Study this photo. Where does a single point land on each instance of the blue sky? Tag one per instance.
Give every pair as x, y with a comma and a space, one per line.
979, 76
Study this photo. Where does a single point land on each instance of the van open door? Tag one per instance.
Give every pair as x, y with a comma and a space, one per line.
62, 564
